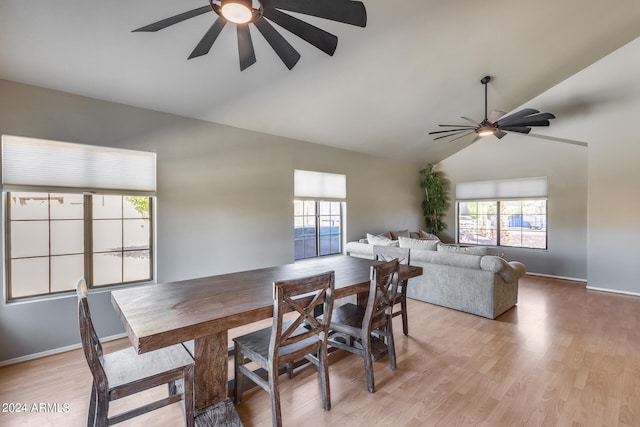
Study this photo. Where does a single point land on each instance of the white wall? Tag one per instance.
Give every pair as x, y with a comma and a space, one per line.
224, 198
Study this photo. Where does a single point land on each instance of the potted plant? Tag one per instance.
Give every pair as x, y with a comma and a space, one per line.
436, 200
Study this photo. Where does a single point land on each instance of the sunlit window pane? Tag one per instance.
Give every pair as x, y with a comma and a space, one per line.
136, 234
107, 235
136, 266
29, 238
66, 271
29, 276
29, 205
67, 206
67, 237
107, 207
135, 207
107, 268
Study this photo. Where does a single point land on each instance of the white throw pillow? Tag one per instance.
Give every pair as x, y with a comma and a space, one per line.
380, 240
429, 245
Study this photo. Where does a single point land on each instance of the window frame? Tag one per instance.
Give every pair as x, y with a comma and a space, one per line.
88, 238
498, 228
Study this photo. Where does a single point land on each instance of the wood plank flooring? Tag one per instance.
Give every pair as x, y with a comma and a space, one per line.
565, 356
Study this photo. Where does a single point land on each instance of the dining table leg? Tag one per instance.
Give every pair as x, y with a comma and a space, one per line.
211, 369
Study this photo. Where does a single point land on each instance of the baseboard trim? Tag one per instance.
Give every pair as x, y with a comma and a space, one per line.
551, 276
613, 291
54, 351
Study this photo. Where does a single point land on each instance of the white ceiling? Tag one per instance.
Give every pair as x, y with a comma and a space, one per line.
418, 63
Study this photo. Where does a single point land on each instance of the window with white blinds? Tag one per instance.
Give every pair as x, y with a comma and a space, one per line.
319, 210
75, 211
509, 212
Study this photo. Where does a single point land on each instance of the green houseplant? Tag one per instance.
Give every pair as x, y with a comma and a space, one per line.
436, 200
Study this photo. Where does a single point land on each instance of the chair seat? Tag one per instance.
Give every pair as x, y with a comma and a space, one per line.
126, 366
257, 342
348, 319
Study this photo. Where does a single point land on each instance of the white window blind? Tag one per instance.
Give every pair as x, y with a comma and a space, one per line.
51, 164
502, 189
320, 185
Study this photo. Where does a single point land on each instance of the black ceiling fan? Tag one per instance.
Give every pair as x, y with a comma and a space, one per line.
497, 124
242, 13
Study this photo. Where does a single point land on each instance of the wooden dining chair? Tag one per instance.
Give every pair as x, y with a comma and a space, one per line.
124, 372
367, 331
387, 253
305, 336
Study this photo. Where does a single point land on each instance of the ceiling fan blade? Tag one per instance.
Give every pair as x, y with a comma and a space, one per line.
174, 19
451, 134
346, 11
245, 47
563, 140
528, 120
204, 45
519, 129
515, 117
458, 126
472, 121
462, 136
280, 45
321, 39
536, 123
495, 116
451, 130
499, 134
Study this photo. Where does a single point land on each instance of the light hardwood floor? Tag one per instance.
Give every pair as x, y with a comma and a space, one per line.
565, 356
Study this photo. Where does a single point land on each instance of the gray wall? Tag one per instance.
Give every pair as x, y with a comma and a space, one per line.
224, 198
565, 167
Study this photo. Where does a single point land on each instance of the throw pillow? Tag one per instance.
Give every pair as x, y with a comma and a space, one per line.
407, 242
380, 240
424, 235
467, 250
396, 234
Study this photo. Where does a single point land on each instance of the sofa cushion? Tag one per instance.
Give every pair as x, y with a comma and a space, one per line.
468, 250
396, 234
380, 240
446, 258
407, 242
424, 235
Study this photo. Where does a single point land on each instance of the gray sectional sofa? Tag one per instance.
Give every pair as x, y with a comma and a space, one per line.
463, 279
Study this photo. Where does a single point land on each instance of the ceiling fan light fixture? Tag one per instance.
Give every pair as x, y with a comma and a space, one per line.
486, 131
237, 11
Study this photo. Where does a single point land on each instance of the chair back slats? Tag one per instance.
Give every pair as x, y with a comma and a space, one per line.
382, 293
303, 297
387, 253
90, 342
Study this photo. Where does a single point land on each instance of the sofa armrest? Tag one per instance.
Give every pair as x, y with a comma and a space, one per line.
509, 271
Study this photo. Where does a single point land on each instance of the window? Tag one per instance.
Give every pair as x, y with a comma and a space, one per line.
318, 213
75, 211
503, 213
516, 223
318, 226
53, 240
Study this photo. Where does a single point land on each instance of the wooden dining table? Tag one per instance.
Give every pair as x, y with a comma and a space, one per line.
204, 309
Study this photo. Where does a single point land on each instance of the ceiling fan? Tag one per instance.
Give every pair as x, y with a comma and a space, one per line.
497, 124
242, 13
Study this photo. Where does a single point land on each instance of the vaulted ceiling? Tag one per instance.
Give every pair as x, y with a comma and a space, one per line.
416, 64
